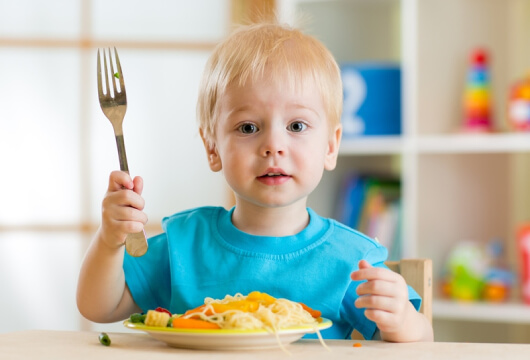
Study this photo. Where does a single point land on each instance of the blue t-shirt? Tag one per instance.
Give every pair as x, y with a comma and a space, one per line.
202, 254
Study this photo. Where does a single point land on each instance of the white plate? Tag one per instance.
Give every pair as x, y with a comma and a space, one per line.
207, 339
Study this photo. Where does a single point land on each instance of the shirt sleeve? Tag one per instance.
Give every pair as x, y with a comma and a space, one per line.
148, 276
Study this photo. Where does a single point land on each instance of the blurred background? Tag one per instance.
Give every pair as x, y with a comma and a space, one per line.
58, 148
450, 185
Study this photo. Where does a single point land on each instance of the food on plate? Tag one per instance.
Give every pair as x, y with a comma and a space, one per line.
157, 318
183, 323
137, 318
256, 310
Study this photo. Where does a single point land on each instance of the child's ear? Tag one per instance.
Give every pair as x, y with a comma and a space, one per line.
211, 152
333, 148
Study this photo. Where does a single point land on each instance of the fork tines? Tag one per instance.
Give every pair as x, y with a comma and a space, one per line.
110, 91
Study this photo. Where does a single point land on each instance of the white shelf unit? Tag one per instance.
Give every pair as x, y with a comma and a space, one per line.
515, 313
438, 144
456, 186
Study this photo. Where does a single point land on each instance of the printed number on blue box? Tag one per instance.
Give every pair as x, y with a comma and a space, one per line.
372, 99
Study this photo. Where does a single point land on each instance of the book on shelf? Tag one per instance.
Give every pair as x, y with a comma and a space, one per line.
372, 205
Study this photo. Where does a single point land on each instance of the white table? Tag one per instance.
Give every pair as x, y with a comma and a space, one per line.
56, 345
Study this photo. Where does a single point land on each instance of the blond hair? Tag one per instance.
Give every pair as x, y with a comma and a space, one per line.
286, 54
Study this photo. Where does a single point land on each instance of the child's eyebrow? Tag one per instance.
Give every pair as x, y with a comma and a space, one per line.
300, 106
238, 109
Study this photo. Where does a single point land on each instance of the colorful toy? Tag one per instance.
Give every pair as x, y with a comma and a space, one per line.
466, 267
519, 105
499, 279
475, 272
477, 104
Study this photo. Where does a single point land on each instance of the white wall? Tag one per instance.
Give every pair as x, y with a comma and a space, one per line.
57, 148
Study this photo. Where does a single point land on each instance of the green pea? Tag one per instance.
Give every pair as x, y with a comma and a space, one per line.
104, 339
117, 75
137, 318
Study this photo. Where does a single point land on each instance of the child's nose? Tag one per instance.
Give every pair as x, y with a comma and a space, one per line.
273, 143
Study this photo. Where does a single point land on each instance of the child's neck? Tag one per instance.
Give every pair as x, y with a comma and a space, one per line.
275, 221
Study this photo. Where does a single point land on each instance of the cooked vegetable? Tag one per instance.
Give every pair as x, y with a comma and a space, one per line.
242, 305
261, 297
314, 313
156, 318
198, 309
182, 323
161, 309
117, 75
137, 318
104, 339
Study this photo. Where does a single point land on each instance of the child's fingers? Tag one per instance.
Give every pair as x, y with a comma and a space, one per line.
377, 287
129, 213
368, 272
390, 317
123, 198
128, 226
122, 212
379, 302
138, 183
122, 208
120, 180
363, 264
390, 285
120, 220
385, 320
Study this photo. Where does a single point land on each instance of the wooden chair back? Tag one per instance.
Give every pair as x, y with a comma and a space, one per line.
418, 274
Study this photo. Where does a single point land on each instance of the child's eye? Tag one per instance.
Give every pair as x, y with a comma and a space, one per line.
248, 128
297, 126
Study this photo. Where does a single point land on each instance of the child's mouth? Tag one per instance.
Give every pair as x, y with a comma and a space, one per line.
273, 178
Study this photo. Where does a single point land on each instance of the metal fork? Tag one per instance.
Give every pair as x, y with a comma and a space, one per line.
114, 106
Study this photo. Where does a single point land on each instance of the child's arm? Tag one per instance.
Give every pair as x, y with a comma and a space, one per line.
385, 297
102, 294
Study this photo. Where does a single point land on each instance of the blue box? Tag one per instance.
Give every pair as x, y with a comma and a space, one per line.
372, 99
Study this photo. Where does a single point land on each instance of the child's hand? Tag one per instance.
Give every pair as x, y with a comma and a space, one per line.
385, 297
122, 209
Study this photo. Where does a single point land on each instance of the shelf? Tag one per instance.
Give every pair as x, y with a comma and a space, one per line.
474, 143
438, 144
371, 145
513, 313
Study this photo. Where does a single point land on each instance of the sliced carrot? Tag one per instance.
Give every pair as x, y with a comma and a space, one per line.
314, 313
183, 323
198, 310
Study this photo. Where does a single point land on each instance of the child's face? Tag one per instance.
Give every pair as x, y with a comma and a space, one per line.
273, 143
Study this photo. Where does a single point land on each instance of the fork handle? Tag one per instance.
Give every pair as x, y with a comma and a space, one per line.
122, 155
136, 243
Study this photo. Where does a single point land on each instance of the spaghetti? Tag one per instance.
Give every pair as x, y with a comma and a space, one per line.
255, 311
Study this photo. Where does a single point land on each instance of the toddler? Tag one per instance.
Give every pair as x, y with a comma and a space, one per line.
269, 115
